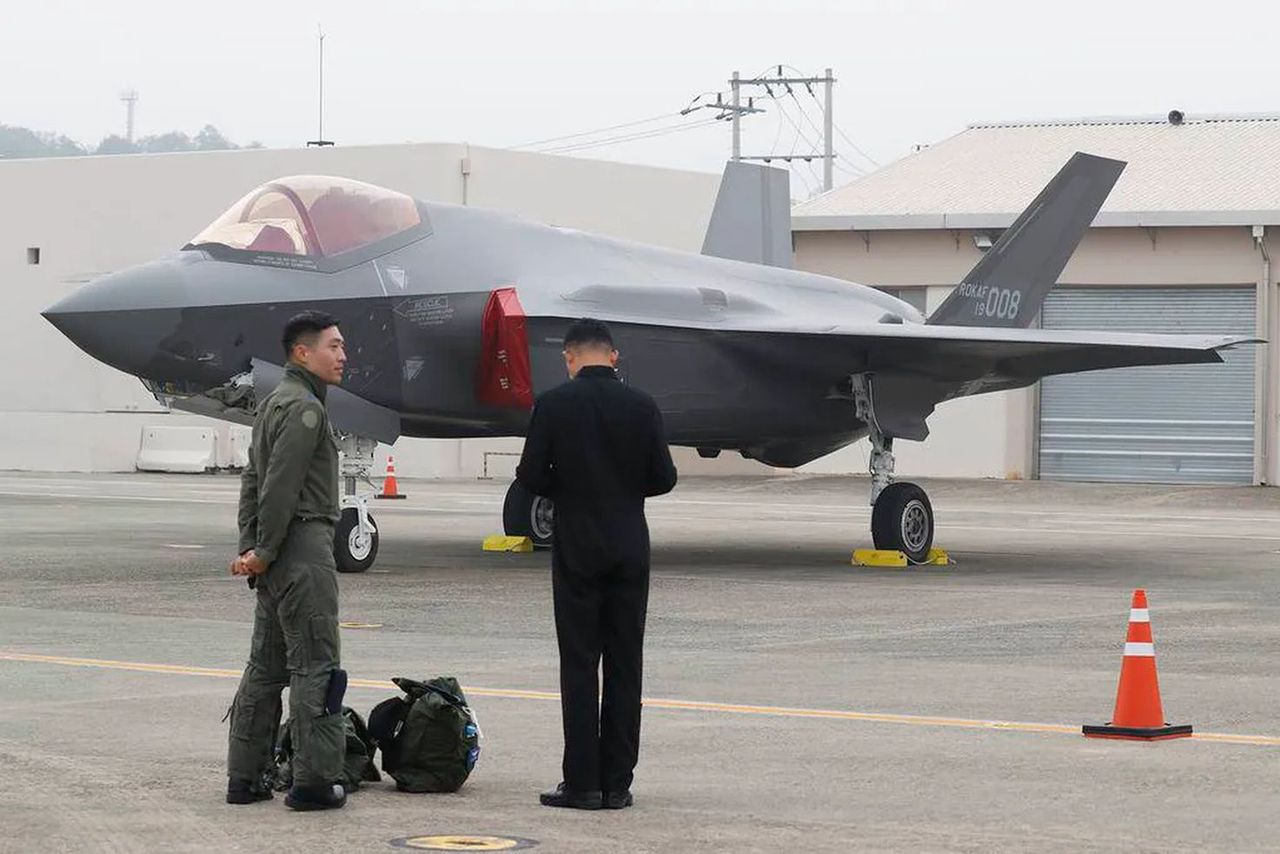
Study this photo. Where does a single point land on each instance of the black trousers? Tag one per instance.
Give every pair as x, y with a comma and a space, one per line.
600, 604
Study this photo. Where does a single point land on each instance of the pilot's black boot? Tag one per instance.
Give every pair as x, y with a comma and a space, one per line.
305, 798
246, 791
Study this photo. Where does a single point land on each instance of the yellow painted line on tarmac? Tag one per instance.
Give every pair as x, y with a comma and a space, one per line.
649, 702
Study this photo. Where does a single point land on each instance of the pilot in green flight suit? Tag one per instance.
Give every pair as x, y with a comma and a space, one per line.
288, 507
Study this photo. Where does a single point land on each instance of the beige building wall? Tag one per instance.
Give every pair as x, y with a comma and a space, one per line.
62, 411
993, 435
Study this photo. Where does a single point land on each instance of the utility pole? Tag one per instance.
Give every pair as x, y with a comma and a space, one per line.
737, 118
827, 155
734, 111
320, 141
828, 148
130, 98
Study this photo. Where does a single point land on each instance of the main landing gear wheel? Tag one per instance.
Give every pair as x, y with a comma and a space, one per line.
527, 515
902, 520
353, 551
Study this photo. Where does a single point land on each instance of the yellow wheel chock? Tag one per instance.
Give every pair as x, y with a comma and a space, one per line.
880, 557
499, 543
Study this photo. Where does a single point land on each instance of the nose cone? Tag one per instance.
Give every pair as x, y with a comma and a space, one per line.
118, 319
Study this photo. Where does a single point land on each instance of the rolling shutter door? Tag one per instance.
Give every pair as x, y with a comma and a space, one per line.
1171, 424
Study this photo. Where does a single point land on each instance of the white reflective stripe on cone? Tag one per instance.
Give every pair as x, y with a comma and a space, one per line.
1139, 615
1143, 650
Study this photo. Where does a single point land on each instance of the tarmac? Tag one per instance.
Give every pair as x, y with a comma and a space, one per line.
793, 702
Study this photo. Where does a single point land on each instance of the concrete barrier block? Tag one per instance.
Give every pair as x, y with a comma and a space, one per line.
178, 449
236, 455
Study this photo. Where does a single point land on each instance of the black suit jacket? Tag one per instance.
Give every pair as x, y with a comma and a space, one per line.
597, 448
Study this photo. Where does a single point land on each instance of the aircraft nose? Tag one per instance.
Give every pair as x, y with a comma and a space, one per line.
119, 319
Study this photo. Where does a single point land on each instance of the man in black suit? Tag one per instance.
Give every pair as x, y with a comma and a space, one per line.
596, 447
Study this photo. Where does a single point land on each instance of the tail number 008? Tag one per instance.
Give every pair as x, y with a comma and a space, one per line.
1000, 303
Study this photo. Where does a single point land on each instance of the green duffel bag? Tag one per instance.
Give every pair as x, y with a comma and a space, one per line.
429, 738
357, 763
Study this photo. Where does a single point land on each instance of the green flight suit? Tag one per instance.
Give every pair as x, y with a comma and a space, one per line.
288, 507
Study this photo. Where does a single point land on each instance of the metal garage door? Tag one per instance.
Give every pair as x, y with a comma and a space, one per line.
1175, 424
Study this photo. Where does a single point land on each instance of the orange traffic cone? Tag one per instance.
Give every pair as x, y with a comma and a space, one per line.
389, 483
1138, 715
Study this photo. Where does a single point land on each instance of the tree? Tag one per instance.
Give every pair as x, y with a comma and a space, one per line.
116, 145
18, 142
23, 142
174, 140
210, 139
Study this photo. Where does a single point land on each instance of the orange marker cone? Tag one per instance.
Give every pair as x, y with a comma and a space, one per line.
389, 483
1138, 715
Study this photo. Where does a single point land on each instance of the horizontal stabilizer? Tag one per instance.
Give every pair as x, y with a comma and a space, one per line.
752, 217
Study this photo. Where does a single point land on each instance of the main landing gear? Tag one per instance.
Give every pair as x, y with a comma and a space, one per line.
901, 515
527, 515
355, 539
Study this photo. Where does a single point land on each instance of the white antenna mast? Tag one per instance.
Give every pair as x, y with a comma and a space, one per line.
320, 140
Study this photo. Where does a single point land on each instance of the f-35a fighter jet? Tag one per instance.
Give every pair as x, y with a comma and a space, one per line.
456, 317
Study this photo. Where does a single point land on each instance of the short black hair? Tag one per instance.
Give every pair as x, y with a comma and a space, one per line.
588, 331
305, 325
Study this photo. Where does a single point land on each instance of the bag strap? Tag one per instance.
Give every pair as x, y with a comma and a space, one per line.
416, 689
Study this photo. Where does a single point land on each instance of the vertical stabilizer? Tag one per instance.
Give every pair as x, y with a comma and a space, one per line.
1009, 284
752, 217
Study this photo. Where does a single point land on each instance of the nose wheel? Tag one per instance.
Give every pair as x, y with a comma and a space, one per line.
355, 547
355, 538
527, 515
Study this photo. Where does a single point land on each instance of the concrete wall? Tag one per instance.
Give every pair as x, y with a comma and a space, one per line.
60, 410
993, 435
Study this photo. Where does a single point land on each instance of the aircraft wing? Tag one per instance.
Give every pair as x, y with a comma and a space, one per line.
916, 366
1012, 357
964, 354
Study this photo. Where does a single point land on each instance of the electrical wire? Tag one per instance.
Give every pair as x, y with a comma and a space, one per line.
649, 134
821, 107
597, 130
845, 136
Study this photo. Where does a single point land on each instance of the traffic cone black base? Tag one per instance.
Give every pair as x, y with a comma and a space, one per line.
1131, 733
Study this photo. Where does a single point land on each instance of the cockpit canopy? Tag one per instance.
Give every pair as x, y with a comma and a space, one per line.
311, 215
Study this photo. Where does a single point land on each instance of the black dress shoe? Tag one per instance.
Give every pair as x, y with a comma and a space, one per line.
618, 800
306, 798
561, 796
246, 792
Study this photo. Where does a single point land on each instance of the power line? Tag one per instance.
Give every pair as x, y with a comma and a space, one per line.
854, 167
586, 133
799, 130
649, 134
794, 170
845, 136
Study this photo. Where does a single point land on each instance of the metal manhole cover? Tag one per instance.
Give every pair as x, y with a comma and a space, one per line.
463, 842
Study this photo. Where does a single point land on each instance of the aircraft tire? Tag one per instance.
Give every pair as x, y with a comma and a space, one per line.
349, 553
527, 515
902, 520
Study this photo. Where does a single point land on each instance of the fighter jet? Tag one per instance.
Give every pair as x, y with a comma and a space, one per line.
456, 317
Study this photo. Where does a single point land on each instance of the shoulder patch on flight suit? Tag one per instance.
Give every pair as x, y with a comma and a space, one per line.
310, 419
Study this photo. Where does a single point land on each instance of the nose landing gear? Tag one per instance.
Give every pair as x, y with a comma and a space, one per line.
355, 539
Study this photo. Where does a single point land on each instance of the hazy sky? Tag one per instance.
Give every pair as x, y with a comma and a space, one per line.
505, 72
